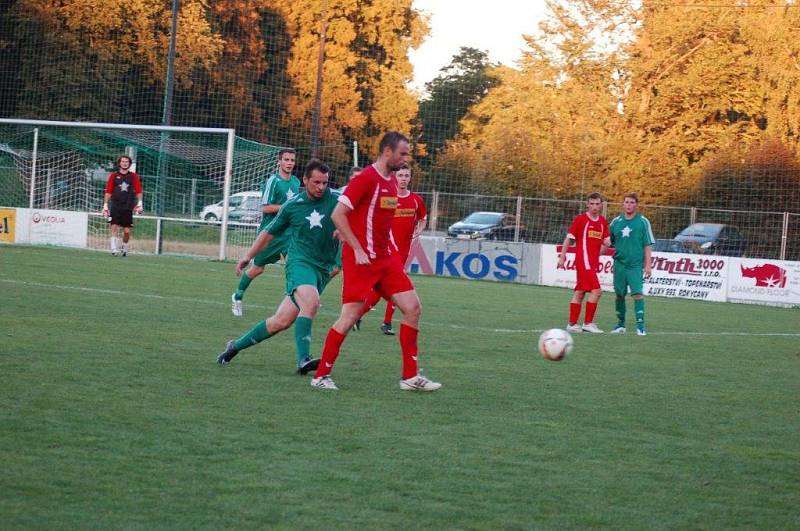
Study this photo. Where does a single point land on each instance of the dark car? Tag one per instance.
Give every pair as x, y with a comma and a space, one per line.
713, 238
484, 225
671, 246
249, 211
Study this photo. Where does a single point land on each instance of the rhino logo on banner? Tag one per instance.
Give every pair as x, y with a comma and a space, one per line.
766, 275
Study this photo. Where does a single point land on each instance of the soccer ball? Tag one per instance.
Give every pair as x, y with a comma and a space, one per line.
555, 344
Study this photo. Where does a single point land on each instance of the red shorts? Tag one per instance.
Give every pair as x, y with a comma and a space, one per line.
386, 276
587, 280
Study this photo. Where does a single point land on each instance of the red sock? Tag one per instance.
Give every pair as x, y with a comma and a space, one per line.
387, 316
575, 312
408, 346
330, 351
591, 307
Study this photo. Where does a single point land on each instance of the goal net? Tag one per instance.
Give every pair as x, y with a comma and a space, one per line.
183, 173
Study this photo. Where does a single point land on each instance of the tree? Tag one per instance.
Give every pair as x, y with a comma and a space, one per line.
460, 85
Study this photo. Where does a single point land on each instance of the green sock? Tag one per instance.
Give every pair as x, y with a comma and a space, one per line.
638, 305
257, 334
619, 305
302, 338
244, 282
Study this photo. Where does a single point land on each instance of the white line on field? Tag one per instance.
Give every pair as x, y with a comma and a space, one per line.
323, 311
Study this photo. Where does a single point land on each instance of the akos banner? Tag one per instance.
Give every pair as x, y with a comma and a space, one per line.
477, 259
758, 281
52, 227
687, 276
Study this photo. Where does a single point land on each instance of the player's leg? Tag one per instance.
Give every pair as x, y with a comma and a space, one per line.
306, 297
113, 242
408, 303
270, 255
575, 309
282, 319
357, 283
126, 236
636, 281
591, 307
620, 288
372, 300
386, 327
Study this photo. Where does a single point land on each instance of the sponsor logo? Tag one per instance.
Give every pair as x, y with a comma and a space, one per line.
38, 217
766, 275
594, 234
405, 213
502, 267
389, 202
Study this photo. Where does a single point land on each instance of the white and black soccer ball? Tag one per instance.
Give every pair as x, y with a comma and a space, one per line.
555, 343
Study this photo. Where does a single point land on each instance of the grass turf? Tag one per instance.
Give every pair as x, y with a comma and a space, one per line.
114, 414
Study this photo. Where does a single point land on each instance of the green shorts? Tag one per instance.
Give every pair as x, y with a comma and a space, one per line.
628, 277
304, 274
276, 248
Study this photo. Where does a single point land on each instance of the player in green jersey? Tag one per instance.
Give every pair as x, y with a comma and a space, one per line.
313, 259
632, 239
279, 188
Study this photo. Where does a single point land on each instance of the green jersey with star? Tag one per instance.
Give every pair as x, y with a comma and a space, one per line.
309, 225
276, 191
629, 237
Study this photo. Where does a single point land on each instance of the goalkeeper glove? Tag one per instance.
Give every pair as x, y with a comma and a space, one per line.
106, 213
139, 208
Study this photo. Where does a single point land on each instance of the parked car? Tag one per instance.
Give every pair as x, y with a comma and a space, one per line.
484, 225
671, 246
213, 212
249, 211
713, 238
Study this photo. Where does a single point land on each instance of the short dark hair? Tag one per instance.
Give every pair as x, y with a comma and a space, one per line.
632, 195
316, 164
119, 159
284, 151
595, 195
391, 140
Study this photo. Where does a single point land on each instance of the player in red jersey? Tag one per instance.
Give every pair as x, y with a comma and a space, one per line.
364, 218
408, 223
124, 190
590, 233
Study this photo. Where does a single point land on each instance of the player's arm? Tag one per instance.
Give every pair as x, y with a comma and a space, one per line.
648, 252
606, 245
562, 256
107, 195
137, 188
270, 208
419, 227
262, 240
339, 218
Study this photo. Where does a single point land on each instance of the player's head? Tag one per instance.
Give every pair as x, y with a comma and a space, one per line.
315, 178
286, 157
403, 177
630, 203
394, 149
594, 203
355, 170
124, 162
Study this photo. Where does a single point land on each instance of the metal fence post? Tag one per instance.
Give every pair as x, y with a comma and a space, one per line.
434, 210
34, 156
692, 215
519, 218
784, 235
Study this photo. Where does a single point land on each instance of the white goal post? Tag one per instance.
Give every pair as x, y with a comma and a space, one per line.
230, 141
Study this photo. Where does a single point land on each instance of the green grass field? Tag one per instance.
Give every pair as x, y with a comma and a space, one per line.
113, 413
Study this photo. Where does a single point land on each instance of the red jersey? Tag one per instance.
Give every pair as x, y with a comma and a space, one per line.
588, 235
373, 200
410, 210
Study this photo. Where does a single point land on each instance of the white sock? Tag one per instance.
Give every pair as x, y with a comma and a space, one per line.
124, 247
113, 244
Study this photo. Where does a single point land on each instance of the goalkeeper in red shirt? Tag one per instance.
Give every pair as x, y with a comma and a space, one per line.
123, 199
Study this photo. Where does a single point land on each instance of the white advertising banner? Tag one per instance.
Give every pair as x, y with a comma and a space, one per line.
688, 276
474, 259
763, 281
52, 227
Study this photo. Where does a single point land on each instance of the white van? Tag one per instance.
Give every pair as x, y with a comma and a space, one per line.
214, 212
